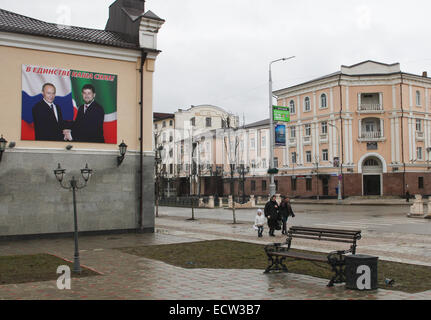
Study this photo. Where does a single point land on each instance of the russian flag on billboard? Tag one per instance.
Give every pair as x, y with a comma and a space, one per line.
68, 96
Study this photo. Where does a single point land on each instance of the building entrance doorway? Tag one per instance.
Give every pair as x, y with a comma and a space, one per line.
325, 186
372, 177
371, 185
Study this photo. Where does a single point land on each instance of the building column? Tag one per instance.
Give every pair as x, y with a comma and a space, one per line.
393, 140
397, 140
351, 140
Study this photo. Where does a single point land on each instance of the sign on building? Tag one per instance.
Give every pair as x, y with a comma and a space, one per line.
281, 113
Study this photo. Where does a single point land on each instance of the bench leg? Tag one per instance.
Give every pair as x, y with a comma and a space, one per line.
276, 263
339, 276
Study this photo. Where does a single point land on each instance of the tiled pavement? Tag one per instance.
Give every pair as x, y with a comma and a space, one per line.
126, 276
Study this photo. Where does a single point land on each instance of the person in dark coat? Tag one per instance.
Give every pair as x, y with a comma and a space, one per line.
88, 125
286, 211
271, 213
47, 116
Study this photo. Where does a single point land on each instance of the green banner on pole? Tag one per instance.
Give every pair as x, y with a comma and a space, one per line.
280, 113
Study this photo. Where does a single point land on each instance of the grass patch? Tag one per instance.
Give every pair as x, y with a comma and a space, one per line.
227, 254
35, 267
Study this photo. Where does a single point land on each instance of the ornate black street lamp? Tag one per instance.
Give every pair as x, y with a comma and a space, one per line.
123, 149
73, 184
3, 142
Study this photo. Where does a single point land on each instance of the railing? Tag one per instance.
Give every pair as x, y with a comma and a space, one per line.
419, 134
371, 135
307, 139
370, 107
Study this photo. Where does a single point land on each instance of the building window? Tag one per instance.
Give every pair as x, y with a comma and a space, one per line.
418, 125
324, 127
223, 123
419, 153
193, 121
293, 132
252, 144
253, 185
253, 163
307, 105
263, 163
171, 123
164, 124
308, 156
275, 162
292, 106
171, 138
263, 185
371, 163
308, 184
171, 153
420, 182
164, 137
308, 130
293, 184
325, 154
171, 168
263, 141
155, 126
323, 102
418, 98
208, 122
293, 157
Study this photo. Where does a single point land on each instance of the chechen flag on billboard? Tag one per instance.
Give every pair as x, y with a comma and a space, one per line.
68, 105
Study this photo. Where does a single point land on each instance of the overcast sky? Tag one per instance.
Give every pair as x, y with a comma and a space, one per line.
217, 52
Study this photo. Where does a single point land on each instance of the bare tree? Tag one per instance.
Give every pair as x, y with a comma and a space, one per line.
231, 143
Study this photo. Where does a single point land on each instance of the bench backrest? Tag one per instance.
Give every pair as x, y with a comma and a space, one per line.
324, 234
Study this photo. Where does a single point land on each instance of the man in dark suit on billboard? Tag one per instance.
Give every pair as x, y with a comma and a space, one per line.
47, 117
88, 125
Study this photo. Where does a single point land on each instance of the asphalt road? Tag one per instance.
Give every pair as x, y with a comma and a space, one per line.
390, 218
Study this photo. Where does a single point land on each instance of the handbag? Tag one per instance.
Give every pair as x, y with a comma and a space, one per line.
278, 225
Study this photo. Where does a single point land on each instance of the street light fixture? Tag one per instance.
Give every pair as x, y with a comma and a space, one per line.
340, 164
73, 184
123, 149
271, 130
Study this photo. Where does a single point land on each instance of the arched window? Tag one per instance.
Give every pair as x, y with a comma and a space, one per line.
418, 98
307, 106
292, 106
323, 102
371, 163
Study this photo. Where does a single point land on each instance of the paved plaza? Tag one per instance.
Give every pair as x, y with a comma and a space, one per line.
125, 276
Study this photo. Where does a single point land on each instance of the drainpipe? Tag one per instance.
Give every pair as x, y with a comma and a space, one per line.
341, 135
402, 135
141, 143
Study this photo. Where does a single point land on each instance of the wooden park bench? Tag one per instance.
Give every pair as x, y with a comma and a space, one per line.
278, 252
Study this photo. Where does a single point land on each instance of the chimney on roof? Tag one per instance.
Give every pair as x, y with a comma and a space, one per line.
425, 74
128, 17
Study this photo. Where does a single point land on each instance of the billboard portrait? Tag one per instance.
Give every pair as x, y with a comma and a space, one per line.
68, 105
280, 135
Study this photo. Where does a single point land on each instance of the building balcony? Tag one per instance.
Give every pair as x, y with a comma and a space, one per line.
370, 103
370, 107
371, 136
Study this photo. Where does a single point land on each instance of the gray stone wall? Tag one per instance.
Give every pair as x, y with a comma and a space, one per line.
32, 201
